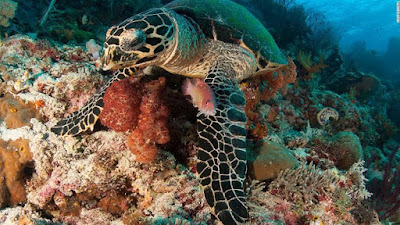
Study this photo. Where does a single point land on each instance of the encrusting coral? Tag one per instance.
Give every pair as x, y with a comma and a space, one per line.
16, 113
15, 162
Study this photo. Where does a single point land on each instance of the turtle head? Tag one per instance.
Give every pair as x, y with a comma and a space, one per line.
138, 41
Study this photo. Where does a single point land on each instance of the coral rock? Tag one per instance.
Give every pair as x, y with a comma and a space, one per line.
15, 161
268, 159
16, 113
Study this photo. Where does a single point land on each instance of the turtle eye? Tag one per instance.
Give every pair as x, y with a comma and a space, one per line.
132, 39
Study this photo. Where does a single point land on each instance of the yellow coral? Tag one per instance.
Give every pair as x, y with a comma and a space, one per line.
16, 113
7, 11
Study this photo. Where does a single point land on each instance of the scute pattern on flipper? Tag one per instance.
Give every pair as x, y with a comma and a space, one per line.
86, 117
222, 150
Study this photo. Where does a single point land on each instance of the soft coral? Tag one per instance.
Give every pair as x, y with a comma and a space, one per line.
132, 105
121, 105
152, 126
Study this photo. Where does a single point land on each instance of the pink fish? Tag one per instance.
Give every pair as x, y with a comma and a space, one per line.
202, 95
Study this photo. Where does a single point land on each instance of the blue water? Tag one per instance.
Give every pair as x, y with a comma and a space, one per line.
372, 21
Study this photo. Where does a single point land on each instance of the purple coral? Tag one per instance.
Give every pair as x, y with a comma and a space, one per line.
386, 193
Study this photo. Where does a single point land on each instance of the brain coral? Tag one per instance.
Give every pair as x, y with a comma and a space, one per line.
344, 149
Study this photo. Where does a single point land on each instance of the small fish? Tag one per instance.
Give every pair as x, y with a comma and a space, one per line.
202, 95
316, 221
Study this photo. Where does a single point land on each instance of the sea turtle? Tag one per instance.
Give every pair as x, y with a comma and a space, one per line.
172, 38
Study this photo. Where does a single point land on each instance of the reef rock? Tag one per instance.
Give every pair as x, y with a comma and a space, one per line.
268, 159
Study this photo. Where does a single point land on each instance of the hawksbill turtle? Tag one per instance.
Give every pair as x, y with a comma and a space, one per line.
215, 40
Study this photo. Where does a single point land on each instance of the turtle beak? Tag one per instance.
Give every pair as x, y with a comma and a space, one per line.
113, 58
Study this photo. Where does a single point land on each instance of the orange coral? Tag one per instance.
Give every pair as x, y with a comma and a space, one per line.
310, 67
39, 104
263, 88
16, 113
15, 160
152, 126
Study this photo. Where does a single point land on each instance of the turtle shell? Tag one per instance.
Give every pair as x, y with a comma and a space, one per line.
232, 23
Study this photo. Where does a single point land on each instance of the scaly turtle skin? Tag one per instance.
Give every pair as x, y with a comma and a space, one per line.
161, 37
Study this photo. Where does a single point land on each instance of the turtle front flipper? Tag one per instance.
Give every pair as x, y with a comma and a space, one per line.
86, 117
221, 162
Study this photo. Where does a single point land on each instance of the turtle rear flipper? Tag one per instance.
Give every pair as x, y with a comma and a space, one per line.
222, 150
86, 117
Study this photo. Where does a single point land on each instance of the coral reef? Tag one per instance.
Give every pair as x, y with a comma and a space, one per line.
262, 88
16, 166
297, 141
307, 194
